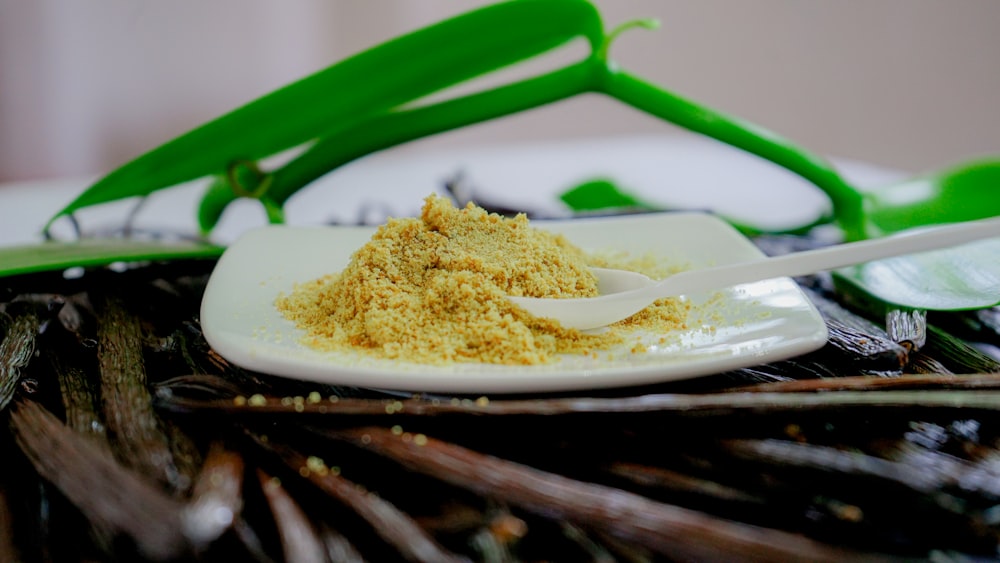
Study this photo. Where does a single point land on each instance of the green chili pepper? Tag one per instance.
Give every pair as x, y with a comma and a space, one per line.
369, 83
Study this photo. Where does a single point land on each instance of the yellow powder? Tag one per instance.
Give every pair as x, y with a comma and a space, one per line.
433, 290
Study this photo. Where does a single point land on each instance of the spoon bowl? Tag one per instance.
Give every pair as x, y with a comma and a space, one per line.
625, 293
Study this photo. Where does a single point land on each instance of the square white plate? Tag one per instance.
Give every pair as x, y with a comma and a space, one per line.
743, 326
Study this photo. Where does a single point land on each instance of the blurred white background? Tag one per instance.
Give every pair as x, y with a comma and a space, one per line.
912, 84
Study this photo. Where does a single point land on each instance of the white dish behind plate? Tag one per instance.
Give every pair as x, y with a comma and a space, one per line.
743, 326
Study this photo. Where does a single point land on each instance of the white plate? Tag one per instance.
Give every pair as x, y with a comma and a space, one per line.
747, 325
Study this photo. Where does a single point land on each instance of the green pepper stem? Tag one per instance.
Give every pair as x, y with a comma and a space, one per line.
847, 202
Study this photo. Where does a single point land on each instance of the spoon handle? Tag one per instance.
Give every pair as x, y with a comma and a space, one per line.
812, 261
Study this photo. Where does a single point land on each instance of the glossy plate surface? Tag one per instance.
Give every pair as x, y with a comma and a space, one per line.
743, 326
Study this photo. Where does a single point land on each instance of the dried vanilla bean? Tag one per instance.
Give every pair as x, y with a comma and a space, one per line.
983, 381
871, 494
197, 385
661, 478
393, 525
859, 350
666, 441
929, 478
908, 328
804, 367
671, 530
216, 499
200, 359
113, 498
713, 404
856, 341
339, 548
921, 363
956, 355
70, 365
138, 439
299, 539
948, 472
18, 332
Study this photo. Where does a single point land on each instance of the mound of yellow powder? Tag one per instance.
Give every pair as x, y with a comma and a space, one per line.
433, 290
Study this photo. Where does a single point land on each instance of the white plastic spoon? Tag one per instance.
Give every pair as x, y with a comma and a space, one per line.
625, 293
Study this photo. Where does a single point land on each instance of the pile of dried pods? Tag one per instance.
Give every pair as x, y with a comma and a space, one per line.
127, 438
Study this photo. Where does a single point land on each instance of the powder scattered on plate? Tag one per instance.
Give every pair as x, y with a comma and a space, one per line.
433, 290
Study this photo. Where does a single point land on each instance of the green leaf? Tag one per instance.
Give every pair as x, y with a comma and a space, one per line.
961, 193
389, 129
213, 202
601, 193
961, 278
54, 255
387, 76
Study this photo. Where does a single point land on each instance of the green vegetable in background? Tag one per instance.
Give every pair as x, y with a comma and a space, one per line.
362, 105
602, 194
371, 101
54, 255
347, 93
954, 279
